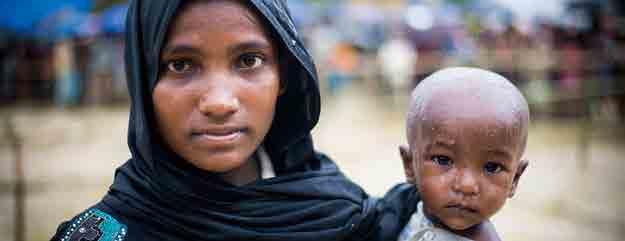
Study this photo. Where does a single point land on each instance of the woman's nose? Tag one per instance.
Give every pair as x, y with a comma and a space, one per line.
219, 103
466, 183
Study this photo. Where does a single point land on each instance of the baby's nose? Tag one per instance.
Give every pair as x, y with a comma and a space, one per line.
466, 183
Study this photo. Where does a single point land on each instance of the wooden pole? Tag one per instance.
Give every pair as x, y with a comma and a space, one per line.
585, 136
19, 191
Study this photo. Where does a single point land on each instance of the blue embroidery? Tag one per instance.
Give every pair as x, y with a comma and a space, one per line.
95, 225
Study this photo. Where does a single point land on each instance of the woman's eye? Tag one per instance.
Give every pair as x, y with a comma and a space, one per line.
180, 66
492, 167
441, 160
250, 61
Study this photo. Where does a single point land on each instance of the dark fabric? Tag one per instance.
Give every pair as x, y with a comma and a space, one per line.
160, 196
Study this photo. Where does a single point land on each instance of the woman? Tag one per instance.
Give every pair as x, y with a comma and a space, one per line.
224, 96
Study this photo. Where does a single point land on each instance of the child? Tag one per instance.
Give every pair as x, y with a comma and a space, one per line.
466, 130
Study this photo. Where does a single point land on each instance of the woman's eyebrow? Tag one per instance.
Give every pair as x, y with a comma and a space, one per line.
249, 45
180, 49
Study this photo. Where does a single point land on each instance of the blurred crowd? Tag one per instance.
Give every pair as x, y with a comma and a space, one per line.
572, 64
67, 73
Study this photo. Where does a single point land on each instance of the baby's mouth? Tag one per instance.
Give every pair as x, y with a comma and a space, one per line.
462, 208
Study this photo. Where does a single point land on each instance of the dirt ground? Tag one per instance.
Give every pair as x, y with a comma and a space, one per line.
70, 156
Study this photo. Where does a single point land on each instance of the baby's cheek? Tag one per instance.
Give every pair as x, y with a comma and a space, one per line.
501, 181
493, 197
435, 188
428, 169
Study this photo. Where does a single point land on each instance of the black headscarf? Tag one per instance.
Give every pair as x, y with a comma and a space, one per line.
310, 199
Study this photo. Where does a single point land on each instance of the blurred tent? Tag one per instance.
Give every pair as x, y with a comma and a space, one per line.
113, 19
70, 22
26, 15
66, 23
52, 21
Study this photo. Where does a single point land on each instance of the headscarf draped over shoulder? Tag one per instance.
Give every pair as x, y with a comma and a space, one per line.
310, 199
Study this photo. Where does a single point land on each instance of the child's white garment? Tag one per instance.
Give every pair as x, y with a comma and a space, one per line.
266, 167
420, 228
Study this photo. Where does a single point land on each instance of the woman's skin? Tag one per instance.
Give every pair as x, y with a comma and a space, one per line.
217, 89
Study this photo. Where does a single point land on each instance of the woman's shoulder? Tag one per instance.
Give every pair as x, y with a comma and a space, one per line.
94, 224
392, 212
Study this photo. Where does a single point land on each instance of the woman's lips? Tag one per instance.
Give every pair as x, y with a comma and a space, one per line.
218, 135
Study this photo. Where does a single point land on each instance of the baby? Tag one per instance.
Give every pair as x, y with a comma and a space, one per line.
466, 130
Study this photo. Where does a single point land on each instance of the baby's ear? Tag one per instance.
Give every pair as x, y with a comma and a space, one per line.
519, 171
406, 157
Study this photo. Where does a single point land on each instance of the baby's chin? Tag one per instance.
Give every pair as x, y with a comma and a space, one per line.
459, 225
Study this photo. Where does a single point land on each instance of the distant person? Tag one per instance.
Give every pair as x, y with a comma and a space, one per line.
397, 58
342, 64
223, 98
68, 82
467, 131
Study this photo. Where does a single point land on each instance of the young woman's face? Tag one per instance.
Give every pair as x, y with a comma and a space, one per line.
218, 85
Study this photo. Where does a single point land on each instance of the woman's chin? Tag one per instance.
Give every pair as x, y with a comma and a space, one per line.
221, 163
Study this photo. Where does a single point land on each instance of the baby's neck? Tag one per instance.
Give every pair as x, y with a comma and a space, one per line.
484, 231
467, 233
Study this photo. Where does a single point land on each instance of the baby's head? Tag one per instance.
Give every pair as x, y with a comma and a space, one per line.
466, 130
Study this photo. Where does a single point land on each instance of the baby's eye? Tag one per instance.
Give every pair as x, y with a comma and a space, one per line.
250, 61
180, 66
493, 167
442, 160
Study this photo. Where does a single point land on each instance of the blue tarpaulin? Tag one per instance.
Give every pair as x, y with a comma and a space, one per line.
66, 23
23, 16
113, 19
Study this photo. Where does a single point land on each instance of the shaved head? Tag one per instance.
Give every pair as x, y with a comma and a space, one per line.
466, 93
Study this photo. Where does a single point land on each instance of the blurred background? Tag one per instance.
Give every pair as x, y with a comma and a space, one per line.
64, 105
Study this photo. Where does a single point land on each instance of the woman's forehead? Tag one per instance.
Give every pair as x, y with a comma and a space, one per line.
222, 13
227, 22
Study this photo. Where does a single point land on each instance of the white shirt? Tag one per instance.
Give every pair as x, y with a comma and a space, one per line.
420, 228
266, 167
